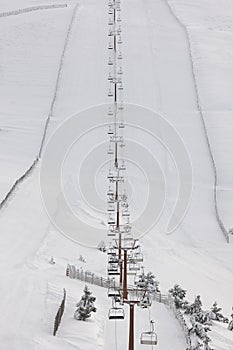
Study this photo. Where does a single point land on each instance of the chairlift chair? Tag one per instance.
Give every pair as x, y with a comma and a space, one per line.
121, 106
110, 93
111, 220
120, 87
125, 213
119, 41
110, 150
113, 293
110, 11
110, 22
111, 251
138, 257
110, 46
110, 130
110, 62
122, 166
116, 313
120, 56
121, 125
120, 71
113, 259
110, 192
133, 266
110, 112
111, 208
149, 338
113, 270
110, 77
145, 302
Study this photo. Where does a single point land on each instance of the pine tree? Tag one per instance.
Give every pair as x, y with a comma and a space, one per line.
148, 281
194, 308
217, 316
179, 296
85, 306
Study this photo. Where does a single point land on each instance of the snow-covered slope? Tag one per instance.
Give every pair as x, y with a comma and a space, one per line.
44, 74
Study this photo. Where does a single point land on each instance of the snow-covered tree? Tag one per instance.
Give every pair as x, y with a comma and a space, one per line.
85, 306
199, 329
178, 294
148, 281
102, 246
217, 316
195, 307
230, 326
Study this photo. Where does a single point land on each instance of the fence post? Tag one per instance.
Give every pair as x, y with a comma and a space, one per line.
59, 314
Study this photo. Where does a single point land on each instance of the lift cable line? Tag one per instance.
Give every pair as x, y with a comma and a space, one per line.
124, 252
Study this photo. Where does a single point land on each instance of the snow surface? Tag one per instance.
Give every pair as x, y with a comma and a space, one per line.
157, 75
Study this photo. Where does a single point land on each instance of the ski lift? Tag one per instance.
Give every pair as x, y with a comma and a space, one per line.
133, 266
116, 313
110, 78
111, 208
120, 71
110, 62
110, 21
113, 270
137, 257
111, 233
121, 106
110, 93
121, 125
111, 251
119, 18
125, 213
113, 293
149, 338
110, 33
119, 41
119, 30
110, 11
113, 259
120, 56
122, 166
110, 45
110, 150
111, 220
110, 130
120, 87
110, 112
145, 302
111, 200
110, 192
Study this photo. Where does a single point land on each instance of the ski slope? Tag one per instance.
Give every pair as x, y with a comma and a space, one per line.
158, 75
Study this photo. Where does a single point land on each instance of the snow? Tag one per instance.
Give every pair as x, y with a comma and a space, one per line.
157, 75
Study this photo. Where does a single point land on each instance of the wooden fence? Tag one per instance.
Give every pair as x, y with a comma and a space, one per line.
59, 314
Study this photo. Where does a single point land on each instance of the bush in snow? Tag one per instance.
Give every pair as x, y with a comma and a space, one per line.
102, 246
217, 316
179, 296
85, 306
